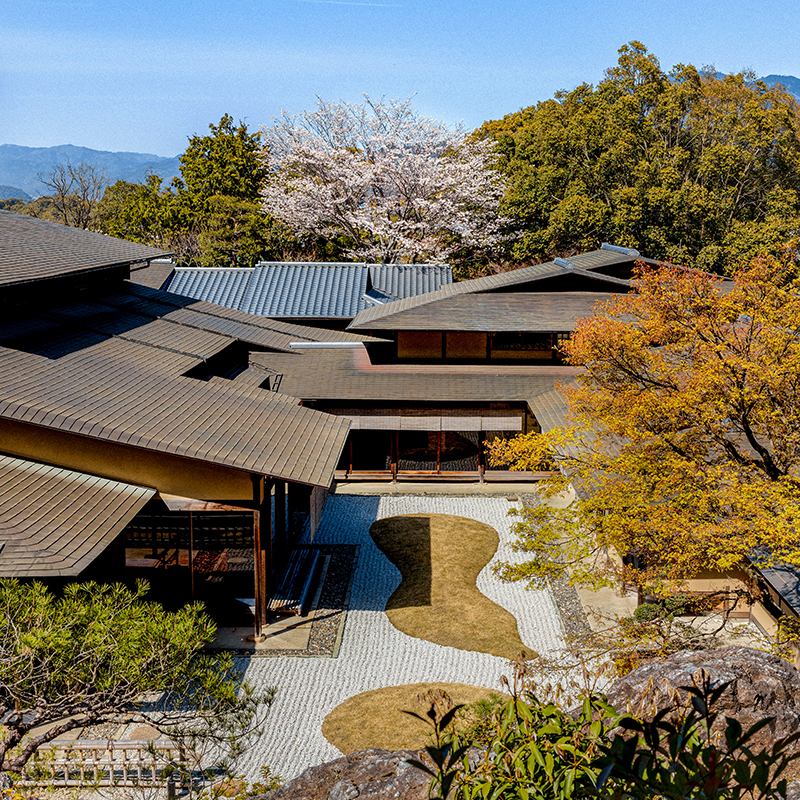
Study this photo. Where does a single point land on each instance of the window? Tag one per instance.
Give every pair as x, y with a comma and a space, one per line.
521, 340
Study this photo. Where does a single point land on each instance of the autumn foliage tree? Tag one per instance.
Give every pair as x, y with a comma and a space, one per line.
684, 432
384, 182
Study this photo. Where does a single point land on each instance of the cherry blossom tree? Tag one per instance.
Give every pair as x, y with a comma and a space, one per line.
390, 183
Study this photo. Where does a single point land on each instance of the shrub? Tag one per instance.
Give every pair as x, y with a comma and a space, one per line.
540, 752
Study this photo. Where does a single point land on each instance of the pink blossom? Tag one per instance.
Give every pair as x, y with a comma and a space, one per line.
400, 186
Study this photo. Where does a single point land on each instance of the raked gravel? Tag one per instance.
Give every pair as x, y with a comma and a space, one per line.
375, 654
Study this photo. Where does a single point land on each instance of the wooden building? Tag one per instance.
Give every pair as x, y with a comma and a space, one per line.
142, 429
523, 315
441, 373
133, 419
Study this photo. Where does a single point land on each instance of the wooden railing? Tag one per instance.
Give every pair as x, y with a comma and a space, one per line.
107, 763
489, 476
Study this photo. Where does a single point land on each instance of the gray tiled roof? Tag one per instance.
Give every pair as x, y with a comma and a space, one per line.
154, 274
785, 579
34, 249
437, 310
328, 290
523, 311
306, 290
409, 280
349, 375
223, 287
54, 522
272, 333
550, 409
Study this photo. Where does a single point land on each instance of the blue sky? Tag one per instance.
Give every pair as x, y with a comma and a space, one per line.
143, 75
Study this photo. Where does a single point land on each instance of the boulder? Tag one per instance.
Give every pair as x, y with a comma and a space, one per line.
761, 685
367, 775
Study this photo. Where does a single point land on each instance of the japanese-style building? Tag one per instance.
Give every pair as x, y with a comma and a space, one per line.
140, 428
133, 424
146, 433
429, 376
445, 371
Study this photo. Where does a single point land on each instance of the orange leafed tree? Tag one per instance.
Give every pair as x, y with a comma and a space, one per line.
684, 430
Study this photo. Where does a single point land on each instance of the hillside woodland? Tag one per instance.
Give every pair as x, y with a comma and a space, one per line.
683, 166
686, 165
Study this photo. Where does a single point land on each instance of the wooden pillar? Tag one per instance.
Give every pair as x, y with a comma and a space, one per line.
295, 503
281, 537
191, 553
290, 502
317, 503
394, 449
262, 550
481, 456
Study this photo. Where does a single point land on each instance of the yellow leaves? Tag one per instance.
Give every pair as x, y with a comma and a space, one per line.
525, 452
685, 429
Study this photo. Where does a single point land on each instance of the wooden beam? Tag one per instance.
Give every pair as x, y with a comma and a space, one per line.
176, 503
262, 552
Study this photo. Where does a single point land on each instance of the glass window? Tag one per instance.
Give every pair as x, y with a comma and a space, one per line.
521, 340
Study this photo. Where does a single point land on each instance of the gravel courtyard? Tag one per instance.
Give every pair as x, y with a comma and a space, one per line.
373, 653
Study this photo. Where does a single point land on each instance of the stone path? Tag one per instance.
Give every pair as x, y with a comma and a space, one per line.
374, 654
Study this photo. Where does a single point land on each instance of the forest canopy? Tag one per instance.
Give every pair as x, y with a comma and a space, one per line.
685, 166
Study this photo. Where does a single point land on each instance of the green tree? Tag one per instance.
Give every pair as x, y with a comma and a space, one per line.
681, 165
223, 162
93, 655
211, 214
238, 233
221, 177
143, 212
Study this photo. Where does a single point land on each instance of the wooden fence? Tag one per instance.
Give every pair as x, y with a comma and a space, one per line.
107, 763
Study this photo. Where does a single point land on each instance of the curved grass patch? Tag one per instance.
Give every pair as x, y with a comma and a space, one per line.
376, 718
439, 557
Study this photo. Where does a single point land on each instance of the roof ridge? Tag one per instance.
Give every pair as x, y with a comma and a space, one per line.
487, 283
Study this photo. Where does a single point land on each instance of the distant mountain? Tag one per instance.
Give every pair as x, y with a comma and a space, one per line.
11, 193
20, 166
790, 83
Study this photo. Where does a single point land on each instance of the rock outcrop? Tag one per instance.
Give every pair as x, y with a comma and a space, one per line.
367, 775
761, 685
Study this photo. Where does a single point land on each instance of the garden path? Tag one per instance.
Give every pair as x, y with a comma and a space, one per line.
374, 653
